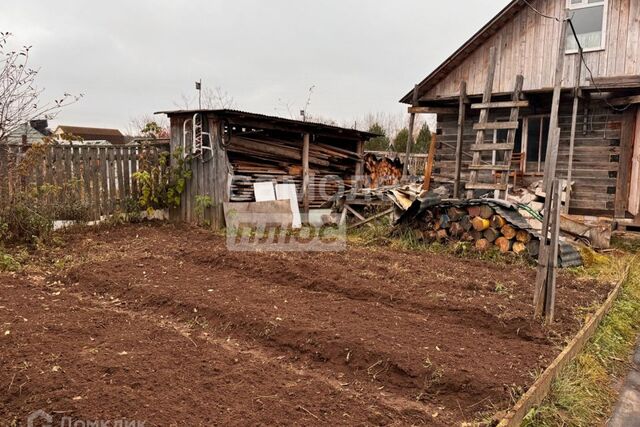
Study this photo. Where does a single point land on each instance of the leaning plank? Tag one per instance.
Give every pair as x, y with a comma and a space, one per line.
539, 390
372, 218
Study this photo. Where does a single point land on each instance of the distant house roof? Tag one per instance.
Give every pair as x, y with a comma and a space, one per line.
114, 136
29, 132
256, 119
466, 49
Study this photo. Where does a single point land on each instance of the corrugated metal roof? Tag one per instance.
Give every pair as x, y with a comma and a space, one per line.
238, 114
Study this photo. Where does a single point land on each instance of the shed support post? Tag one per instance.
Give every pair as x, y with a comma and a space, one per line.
462, 112
359, 178
306, 141
220, 173
412, 122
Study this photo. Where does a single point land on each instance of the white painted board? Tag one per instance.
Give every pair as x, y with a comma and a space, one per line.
288, 192
263, 191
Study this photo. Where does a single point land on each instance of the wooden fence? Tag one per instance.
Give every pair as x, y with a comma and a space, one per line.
98, 179
416, 161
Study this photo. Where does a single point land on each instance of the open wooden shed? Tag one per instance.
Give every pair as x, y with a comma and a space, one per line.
228, 151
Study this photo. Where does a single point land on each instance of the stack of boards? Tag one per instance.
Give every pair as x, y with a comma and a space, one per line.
477, 224
262, 159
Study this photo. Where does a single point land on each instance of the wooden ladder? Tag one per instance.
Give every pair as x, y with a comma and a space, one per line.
483, 125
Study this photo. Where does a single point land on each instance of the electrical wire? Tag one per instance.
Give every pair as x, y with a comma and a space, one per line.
540, 13
582, 58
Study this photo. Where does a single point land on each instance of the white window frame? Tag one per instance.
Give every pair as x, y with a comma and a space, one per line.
585, 5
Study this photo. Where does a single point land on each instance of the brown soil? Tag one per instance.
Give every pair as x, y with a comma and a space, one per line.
163, 324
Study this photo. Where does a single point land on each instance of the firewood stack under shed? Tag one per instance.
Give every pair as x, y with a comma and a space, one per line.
382, 171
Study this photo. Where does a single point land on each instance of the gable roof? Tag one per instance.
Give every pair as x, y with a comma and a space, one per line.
466, 49
114, 136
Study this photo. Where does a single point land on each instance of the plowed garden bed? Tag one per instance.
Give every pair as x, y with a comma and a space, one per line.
163, 324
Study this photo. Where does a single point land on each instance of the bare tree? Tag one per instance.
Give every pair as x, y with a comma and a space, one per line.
212, 99
215, 98
19, 94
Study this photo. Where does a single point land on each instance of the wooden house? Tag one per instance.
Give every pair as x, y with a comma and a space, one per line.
112, 136
228, 151
604, 159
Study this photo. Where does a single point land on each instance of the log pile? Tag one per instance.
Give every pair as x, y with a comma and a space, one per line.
382, 171
255, 159
480, 225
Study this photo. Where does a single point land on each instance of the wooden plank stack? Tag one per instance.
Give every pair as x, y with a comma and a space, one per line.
479, 225
264, 158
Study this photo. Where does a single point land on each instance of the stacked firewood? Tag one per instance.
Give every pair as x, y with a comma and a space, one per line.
382, 171
480, 225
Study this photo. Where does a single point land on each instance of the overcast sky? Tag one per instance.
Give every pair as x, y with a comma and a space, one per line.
134, 57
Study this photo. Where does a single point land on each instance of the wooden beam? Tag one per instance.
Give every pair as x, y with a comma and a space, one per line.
412, 122
505, 104
627, 100
407, 154
360, 165
505, 168
484, 114
495, 125
627, 137
306, 141
432, 110
552, 151
428, 166
372, 218
492, 147
487, 186
574, 124
462, 116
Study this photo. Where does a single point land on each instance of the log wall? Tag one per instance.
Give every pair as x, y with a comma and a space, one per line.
595, 162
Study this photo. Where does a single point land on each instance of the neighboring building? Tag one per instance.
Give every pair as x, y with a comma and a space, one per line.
606, 158
113, 136
29, 133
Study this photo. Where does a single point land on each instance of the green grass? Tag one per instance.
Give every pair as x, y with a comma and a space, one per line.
584, 394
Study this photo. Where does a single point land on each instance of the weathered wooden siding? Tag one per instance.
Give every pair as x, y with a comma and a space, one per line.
208, 178
527, 45
595, 162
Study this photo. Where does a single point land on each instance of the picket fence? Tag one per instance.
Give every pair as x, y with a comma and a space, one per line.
98, 178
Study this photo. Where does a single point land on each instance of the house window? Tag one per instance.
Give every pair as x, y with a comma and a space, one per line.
589, 20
